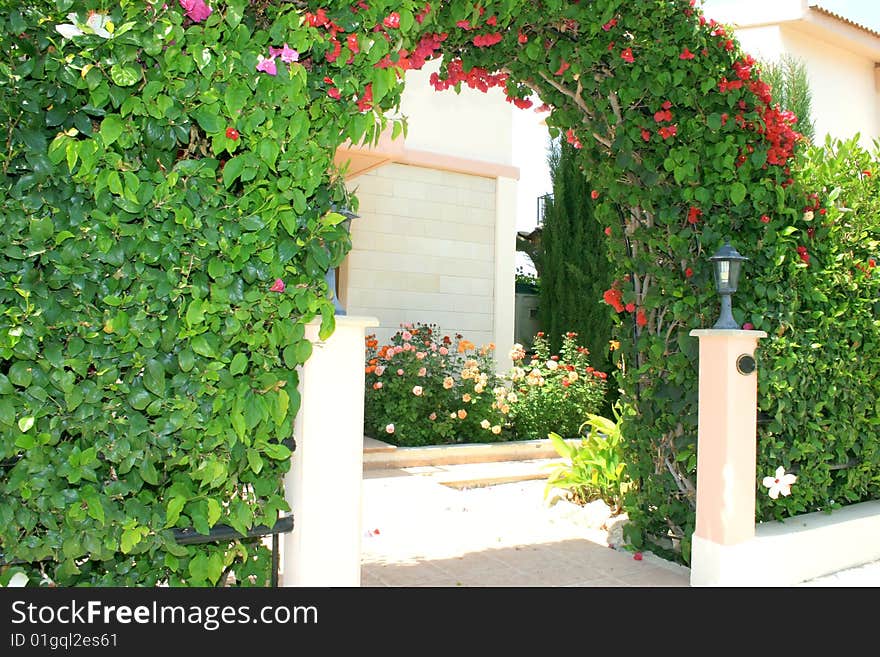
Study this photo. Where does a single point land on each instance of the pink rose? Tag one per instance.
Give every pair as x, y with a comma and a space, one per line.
443, 351
407, 336
380, 370
421, 355
417, 391
399, 372
423, 371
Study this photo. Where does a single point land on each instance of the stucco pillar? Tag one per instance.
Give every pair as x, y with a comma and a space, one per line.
323, 486
726, 458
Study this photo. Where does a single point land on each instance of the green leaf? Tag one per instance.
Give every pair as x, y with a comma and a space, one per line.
25, 423
232, 169
255, 461
737, 193
7, 411
195, 313
201, 346
20, 374
214, 511
277, 451
130, 538
148, 472
172, 511
154, 378
124, 75
208, 119
239, 364
111, 127
186, 359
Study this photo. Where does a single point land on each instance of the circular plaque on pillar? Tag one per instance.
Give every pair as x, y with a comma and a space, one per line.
745, 364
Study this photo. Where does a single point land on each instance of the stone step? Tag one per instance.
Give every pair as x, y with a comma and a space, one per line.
472, 475
379, 455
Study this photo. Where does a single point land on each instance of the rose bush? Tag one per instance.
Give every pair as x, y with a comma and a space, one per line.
552, 392
424, 388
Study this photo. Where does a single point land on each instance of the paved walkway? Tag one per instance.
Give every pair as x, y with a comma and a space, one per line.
423, 526
432, 534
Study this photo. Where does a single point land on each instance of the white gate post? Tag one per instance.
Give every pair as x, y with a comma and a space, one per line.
323, 486
723, 540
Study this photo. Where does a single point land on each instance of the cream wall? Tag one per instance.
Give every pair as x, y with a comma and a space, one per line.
423, 250
471, 124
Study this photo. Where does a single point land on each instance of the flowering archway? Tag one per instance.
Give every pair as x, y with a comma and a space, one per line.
170, 207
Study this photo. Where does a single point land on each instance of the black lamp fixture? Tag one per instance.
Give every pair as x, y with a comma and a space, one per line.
728, 264
332, 276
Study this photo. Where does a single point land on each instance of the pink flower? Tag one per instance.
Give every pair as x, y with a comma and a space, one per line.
407, 336
417, 391
421, 355
637, 556
748, 326
196, 10
389, 428
380, 370
432, 416
423, 371
443, 351
267, 65
397, 349
277, 286
377, 385
286, 53
399, 372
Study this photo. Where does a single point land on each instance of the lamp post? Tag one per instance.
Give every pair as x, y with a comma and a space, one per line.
728, 263
331, 277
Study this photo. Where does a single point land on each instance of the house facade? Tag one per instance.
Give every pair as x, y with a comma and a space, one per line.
840, 55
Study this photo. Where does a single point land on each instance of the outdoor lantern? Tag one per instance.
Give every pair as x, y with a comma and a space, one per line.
728, 263
332, 276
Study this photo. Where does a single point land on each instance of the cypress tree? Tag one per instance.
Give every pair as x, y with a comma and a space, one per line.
575, 266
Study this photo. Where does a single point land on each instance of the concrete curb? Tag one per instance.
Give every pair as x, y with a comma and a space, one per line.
408, 457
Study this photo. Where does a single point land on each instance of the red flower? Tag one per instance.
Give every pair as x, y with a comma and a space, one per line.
630, 307
392, 20
465, 25
686, 54
608, 231
492, 20
352, 43
748, 326
572, 139
627, 55
522, 38
728, 45
866, 173
765, 219
804, 255
563, 67
594, 195
277, 286
663, 115
232, 133
688, 272
646, 135
333, 92
667, 104
637, 556
613, 298
609, 24
641, 320
694, 215
668, 131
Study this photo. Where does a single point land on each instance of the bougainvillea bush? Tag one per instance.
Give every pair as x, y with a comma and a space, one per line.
167, 186
553, 392
425, 388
